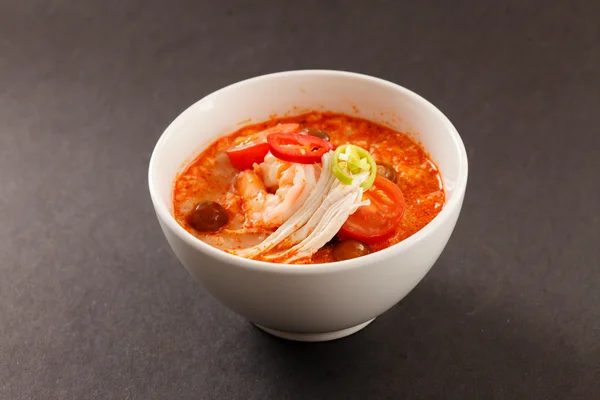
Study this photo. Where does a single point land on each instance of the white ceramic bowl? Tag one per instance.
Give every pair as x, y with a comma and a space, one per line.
323, 301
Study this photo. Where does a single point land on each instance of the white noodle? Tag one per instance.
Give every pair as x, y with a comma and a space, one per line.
328, 222
300, 217
316, 222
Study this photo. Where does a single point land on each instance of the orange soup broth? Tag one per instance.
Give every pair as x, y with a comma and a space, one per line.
418, 177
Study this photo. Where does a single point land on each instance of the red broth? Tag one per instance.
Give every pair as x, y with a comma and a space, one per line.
211, 177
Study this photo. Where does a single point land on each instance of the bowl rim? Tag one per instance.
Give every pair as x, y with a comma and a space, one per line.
439, 220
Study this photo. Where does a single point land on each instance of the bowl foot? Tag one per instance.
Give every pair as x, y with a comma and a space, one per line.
315, 337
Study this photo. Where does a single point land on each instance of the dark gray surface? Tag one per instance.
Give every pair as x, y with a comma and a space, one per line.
93, 305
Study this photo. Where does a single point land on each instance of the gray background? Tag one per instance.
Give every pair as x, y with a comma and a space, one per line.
93, 304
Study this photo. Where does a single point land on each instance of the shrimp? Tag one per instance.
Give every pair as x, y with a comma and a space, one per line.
291, 184
271, 170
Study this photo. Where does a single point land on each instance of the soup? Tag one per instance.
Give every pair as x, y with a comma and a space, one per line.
314, 188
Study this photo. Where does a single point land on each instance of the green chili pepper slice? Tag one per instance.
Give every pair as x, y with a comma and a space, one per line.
350, 160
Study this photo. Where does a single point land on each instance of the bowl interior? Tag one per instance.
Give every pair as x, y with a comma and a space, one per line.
296, 92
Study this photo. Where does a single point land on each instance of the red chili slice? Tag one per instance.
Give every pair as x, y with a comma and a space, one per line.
293, 147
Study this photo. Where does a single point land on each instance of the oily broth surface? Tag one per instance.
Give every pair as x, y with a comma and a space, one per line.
211, 177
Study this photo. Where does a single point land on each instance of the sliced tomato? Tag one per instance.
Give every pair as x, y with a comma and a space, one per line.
379, 220
294, 147
244, 157
252, 149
